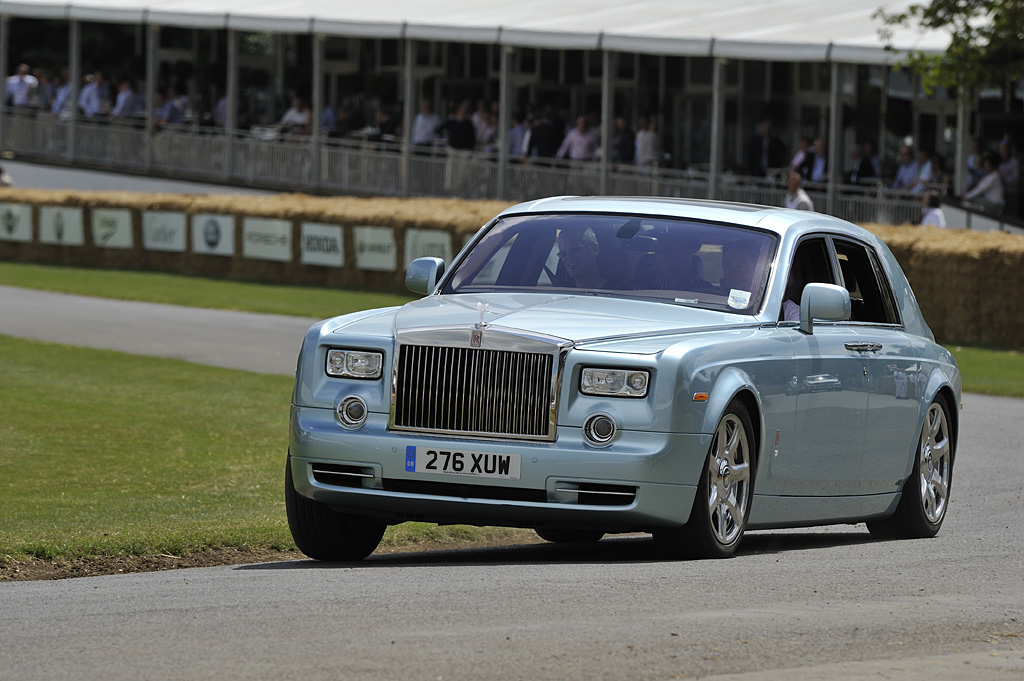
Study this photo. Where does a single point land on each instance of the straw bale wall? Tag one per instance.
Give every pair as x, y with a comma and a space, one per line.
965, 281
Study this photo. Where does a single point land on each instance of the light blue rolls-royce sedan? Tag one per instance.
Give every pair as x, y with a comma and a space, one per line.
691, 369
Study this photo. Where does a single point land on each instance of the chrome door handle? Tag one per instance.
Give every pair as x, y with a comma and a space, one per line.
864, 347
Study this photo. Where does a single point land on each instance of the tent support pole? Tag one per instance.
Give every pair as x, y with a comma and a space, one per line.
317, 114
960, 176
231, 119
606, 116
5, 31
153, 39
834, 123
504, 110
408, 112
75, 58
717, 114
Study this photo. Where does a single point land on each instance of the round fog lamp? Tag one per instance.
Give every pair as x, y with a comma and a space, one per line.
599, 429
352, 411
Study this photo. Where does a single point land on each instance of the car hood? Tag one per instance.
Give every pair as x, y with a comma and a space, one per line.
579, 319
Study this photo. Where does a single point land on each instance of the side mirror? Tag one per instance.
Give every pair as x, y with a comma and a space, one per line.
423, 274
827, 302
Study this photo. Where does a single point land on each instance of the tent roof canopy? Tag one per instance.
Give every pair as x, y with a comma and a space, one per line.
773, 30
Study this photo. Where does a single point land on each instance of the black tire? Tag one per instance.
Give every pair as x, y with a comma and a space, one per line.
724, 493
324, 534
925, 494
570, 536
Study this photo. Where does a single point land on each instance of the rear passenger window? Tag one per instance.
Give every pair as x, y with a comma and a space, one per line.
870, 296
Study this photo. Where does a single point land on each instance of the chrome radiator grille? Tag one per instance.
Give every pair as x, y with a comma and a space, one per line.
473, 391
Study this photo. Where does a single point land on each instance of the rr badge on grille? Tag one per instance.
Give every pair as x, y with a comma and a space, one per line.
476, 338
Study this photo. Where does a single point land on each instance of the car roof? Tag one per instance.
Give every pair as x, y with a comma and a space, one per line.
778, 220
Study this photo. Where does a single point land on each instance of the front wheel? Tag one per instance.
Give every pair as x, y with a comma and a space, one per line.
925, 496
322, 533
724, 492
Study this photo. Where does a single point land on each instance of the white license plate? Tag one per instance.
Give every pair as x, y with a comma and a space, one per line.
453, 462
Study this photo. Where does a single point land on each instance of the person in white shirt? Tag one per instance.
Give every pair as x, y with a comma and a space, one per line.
424, 128
647, 153
988, 193
931, 213
797, 198
297, 117
20, 87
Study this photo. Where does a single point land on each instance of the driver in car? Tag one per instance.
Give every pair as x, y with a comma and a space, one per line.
675, 265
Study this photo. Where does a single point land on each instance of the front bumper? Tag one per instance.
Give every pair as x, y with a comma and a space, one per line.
641, 481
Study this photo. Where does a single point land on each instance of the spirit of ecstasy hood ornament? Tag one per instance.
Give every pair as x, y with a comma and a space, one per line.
482, 309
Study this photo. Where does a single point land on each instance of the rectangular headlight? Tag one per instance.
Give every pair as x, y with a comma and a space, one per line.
354, 363
614, 382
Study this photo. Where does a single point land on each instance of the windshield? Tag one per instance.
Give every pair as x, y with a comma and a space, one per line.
714, 266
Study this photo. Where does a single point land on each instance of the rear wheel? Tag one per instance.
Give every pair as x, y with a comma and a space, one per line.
324, 534
925, 496
570, 536
722, 505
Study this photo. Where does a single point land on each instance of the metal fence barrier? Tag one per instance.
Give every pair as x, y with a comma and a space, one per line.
265, 158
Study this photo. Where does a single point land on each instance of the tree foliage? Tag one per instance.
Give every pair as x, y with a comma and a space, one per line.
986, 41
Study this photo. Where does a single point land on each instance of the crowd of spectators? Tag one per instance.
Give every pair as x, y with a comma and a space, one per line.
539, 134
121, 100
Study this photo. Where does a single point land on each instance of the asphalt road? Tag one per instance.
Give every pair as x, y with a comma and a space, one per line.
821, 603
262, 343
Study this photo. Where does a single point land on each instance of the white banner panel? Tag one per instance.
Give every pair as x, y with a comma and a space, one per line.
375, 248
420, 243
163, 231
112, 228
213, 234
15, 222
266, 239
61, 225
322, 245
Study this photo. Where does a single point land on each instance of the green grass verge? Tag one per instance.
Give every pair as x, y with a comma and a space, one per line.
175, 289
103, 453
991, 372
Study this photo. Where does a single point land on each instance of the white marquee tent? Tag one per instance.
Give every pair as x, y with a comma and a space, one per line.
782, 30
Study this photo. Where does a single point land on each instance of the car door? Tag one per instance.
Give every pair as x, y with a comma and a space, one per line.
829, 387
893, 401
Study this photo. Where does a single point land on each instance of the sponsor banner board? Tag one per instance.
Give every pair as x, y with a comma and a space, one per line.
15, 222
61, 225
163, 231
112, 227
266, 239
213, 234
375, 248
322, 245
420, 243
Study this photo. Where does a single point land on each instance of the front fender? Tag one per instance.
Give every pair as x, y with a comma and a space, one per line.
731, 382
